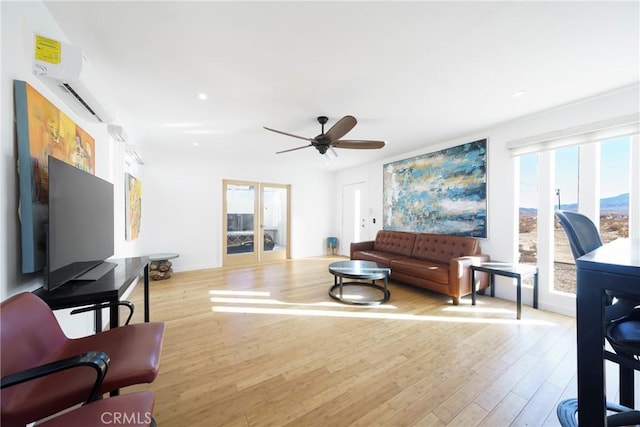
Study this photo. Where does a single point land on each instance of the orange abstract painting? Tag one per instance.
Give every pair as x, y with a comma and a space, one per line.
133, 203
52, 132
43, 130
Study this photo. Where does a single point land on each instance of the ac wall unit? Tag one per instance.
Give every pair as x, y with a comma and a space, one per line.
117, 132
72, 77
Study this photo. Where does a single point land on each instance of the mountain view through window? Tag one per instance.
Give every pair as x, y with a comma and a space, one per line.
613, 195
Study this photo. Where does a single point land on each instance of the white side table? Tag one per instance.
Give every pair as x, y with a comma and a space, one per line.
515, 271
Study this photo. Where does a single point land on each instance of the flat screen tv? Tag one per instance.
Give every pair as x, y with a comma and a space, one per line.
80, 232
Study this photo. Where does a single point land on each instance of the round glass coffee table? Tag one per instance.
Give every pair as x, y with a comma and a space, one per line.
359, 271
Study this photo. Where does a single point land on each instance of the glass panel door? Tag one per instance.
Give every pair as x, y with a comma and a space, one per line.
615, 186
239, 219
274, 222
528, 210
256, 222
597, 179
566, 198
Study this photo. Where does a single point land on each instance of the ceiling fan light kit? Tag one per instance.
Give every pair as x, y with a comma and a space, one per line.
331, 139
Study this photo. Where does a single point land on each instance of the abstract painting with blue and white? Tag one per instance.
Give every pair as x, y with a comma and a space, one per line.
444, 192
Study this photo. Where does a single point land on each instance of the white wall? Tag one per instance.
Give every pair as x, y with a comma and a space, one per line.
20, 21
502, 241
182, 205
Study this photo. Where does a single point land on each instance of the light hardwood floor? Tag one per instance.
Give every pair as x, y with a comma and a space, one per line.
266, 346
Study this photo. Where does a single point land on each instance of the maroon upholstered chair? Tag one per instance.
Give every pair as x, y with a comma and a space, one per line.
130, 410
30, 337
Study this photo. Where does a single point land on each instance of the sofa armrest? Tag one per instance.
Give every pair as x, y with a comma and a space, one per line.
360, 246
460, 274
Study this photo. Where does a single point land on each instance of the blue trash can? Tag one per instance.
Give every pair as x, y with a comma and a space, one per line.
332, 245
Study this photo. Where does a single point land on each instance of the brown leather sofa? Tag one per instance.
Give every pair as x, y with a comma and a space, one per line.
432, 261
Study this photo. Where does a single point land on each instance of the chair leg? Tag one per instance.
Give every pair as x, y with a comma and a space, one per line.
566, 412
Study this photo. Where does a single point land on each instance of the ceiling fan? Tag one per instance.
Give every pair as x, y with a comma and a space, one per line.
331, 139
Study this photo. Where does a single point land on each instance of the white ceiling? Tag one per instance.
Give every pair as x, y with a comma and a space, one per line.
412, 73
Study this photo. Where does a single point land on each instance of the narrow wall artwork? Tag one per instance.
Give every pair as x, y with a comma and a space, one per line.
133, 206
42, 130
444, 192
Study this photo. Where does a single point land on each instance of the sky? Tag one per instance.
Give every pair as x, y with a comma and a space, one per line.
614, 172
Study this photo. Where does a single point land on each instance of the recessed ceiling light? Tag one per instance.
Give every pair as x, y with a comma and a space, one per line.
519, 93
196, 144
202, 96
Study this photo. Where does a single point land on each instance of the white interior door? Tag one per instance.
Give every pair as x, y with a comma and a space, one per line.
355, 224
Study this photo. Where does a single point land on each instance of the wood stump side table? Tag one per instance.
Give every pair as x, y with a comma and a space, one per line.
160, 266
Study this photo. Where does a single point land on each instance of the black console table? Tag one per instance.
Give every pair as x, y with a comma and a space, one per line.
109, 288
614, 266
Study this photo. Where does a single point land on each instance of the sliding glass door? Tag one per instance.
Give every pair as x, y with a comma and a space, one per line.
255, 222
595, 179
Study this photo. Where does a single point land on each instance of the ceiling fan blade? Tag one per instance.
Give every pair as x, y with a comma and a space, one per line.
355, 144
288, 134
294, 149
341, 128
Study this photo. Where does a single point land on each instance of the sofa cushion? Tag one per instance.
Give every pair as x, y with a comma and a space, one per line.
434, 271
384, 258
394, 242
435, 247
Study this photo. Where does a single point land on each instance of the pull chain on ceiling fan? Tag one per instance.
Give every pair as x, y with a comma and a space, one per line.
331, 139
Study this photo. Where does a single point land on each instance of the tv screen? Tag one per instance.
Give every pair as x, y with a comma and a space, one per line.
81, 225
